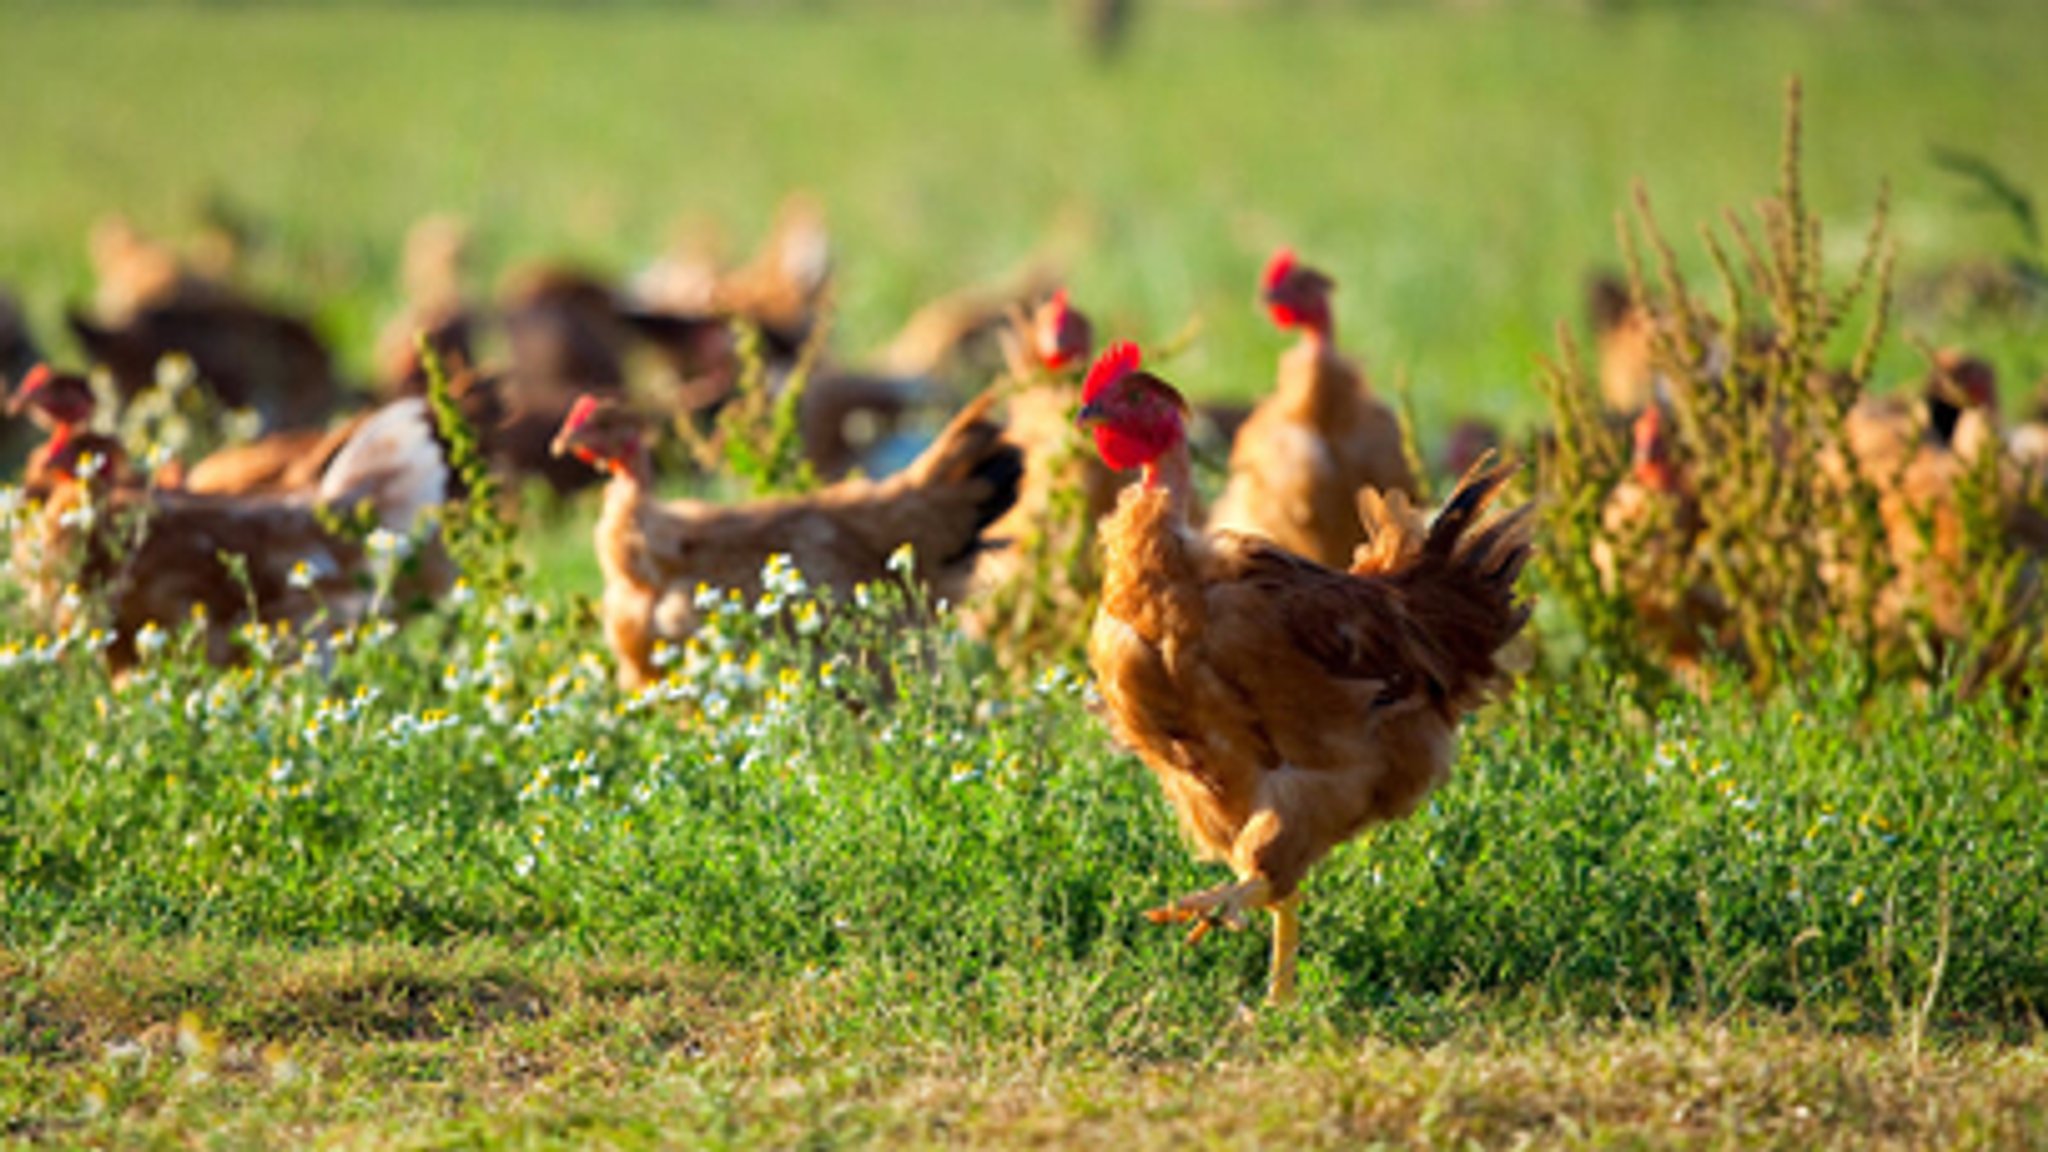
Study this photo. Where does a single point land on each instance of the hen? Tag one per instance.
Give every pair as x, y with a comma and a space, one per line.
656, 554
1917, 456
1649, 526
1300, 459
246, 354
437, 306
1284, 706
161, 557
1031, 596
62, 404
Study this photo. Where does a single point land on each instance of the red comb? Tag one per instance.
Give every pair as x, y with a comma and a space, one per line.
1058, 303
1117, 361
580, 412
38, 377
1278, 268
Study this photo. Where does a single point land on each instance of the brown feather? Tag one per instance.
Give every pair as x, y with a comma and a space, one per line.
1301, 457
1284, 706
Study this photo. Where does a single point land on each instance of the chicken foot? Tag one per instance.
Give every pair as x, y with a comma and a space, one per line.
1226, 905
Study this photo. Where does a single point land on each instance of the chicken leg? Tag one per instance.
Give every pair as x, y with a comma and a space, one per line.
1227, 904
1286, 941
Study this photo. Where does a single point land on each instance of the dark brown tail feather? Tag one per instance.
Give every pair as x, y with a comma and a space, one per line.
1462, 588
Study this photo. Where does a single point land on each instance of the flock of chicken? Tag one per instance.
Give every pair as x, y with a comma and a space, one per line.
1912, 453
1292, 671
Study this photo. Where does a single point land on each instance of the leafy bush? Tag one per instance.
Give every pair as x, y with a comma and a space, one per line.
1779, 531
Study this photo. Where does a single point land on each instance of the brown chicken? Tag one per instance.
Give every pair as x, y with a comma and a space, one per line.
279, 462
1300, 459
655, 554
1624, 342
294, 461
160, 557
246, 355
135, 271
1649, 526
1031, 595
782, 287
437, 305
1050, 347
564, 328
1284, 706
960, 336
62, 404
1916, 454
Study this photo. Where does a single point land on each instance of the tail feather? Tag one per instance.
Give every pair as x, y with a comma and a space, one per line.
970, 450
1461, 584
395, 461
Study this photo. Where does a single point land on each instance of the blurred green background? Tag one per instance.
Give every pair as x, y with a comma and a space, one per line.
1457, 167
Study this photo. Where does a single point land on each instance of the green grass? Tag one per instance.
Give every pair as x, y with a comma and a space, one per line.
1457, 171
947, 888
456, 890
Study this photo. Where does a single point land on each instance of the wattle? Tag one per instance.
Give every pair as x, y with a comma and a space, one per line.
1123, 449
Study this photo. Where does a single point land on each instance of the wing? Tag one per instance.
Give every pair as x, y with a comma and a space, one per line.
1353, 628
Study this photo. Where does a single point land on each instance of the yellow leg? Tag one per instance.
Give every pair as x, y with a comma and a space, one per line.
1286, 941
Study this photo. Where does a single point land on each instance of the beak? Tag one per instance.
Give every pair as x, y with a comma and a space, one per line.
1089, 416
560, 446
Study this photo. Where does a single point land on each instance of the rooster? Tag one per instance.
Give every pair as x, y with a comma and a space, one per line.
1300, 459
655, 555
1284, 706
162, 557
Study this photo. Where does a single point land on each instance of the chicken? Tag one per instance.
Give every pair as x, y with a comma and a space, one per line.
136, 272
1284, 706
564, 329
1916, 455
1030, 593
61, 403
248, 356
1300, 459
280, 462
19, 355
295, 460
1649, 526
1624, 342
18, 351
1469, 440
655, 555
959, 335
783, 286
436, 304
161, 558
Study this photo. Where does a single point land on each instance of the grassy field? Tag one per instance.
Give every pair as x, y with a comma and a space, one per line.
1458, 172
458, 891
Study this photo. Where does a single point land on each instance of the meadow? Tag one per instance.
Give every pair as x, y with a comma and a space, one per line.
455, 889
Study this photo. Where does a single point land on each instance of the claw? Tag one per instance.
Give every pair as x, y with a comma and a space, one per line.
1225, 905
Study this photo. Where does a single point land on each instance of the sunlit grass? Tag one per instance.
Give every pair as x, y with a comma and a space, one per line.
1458, 172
